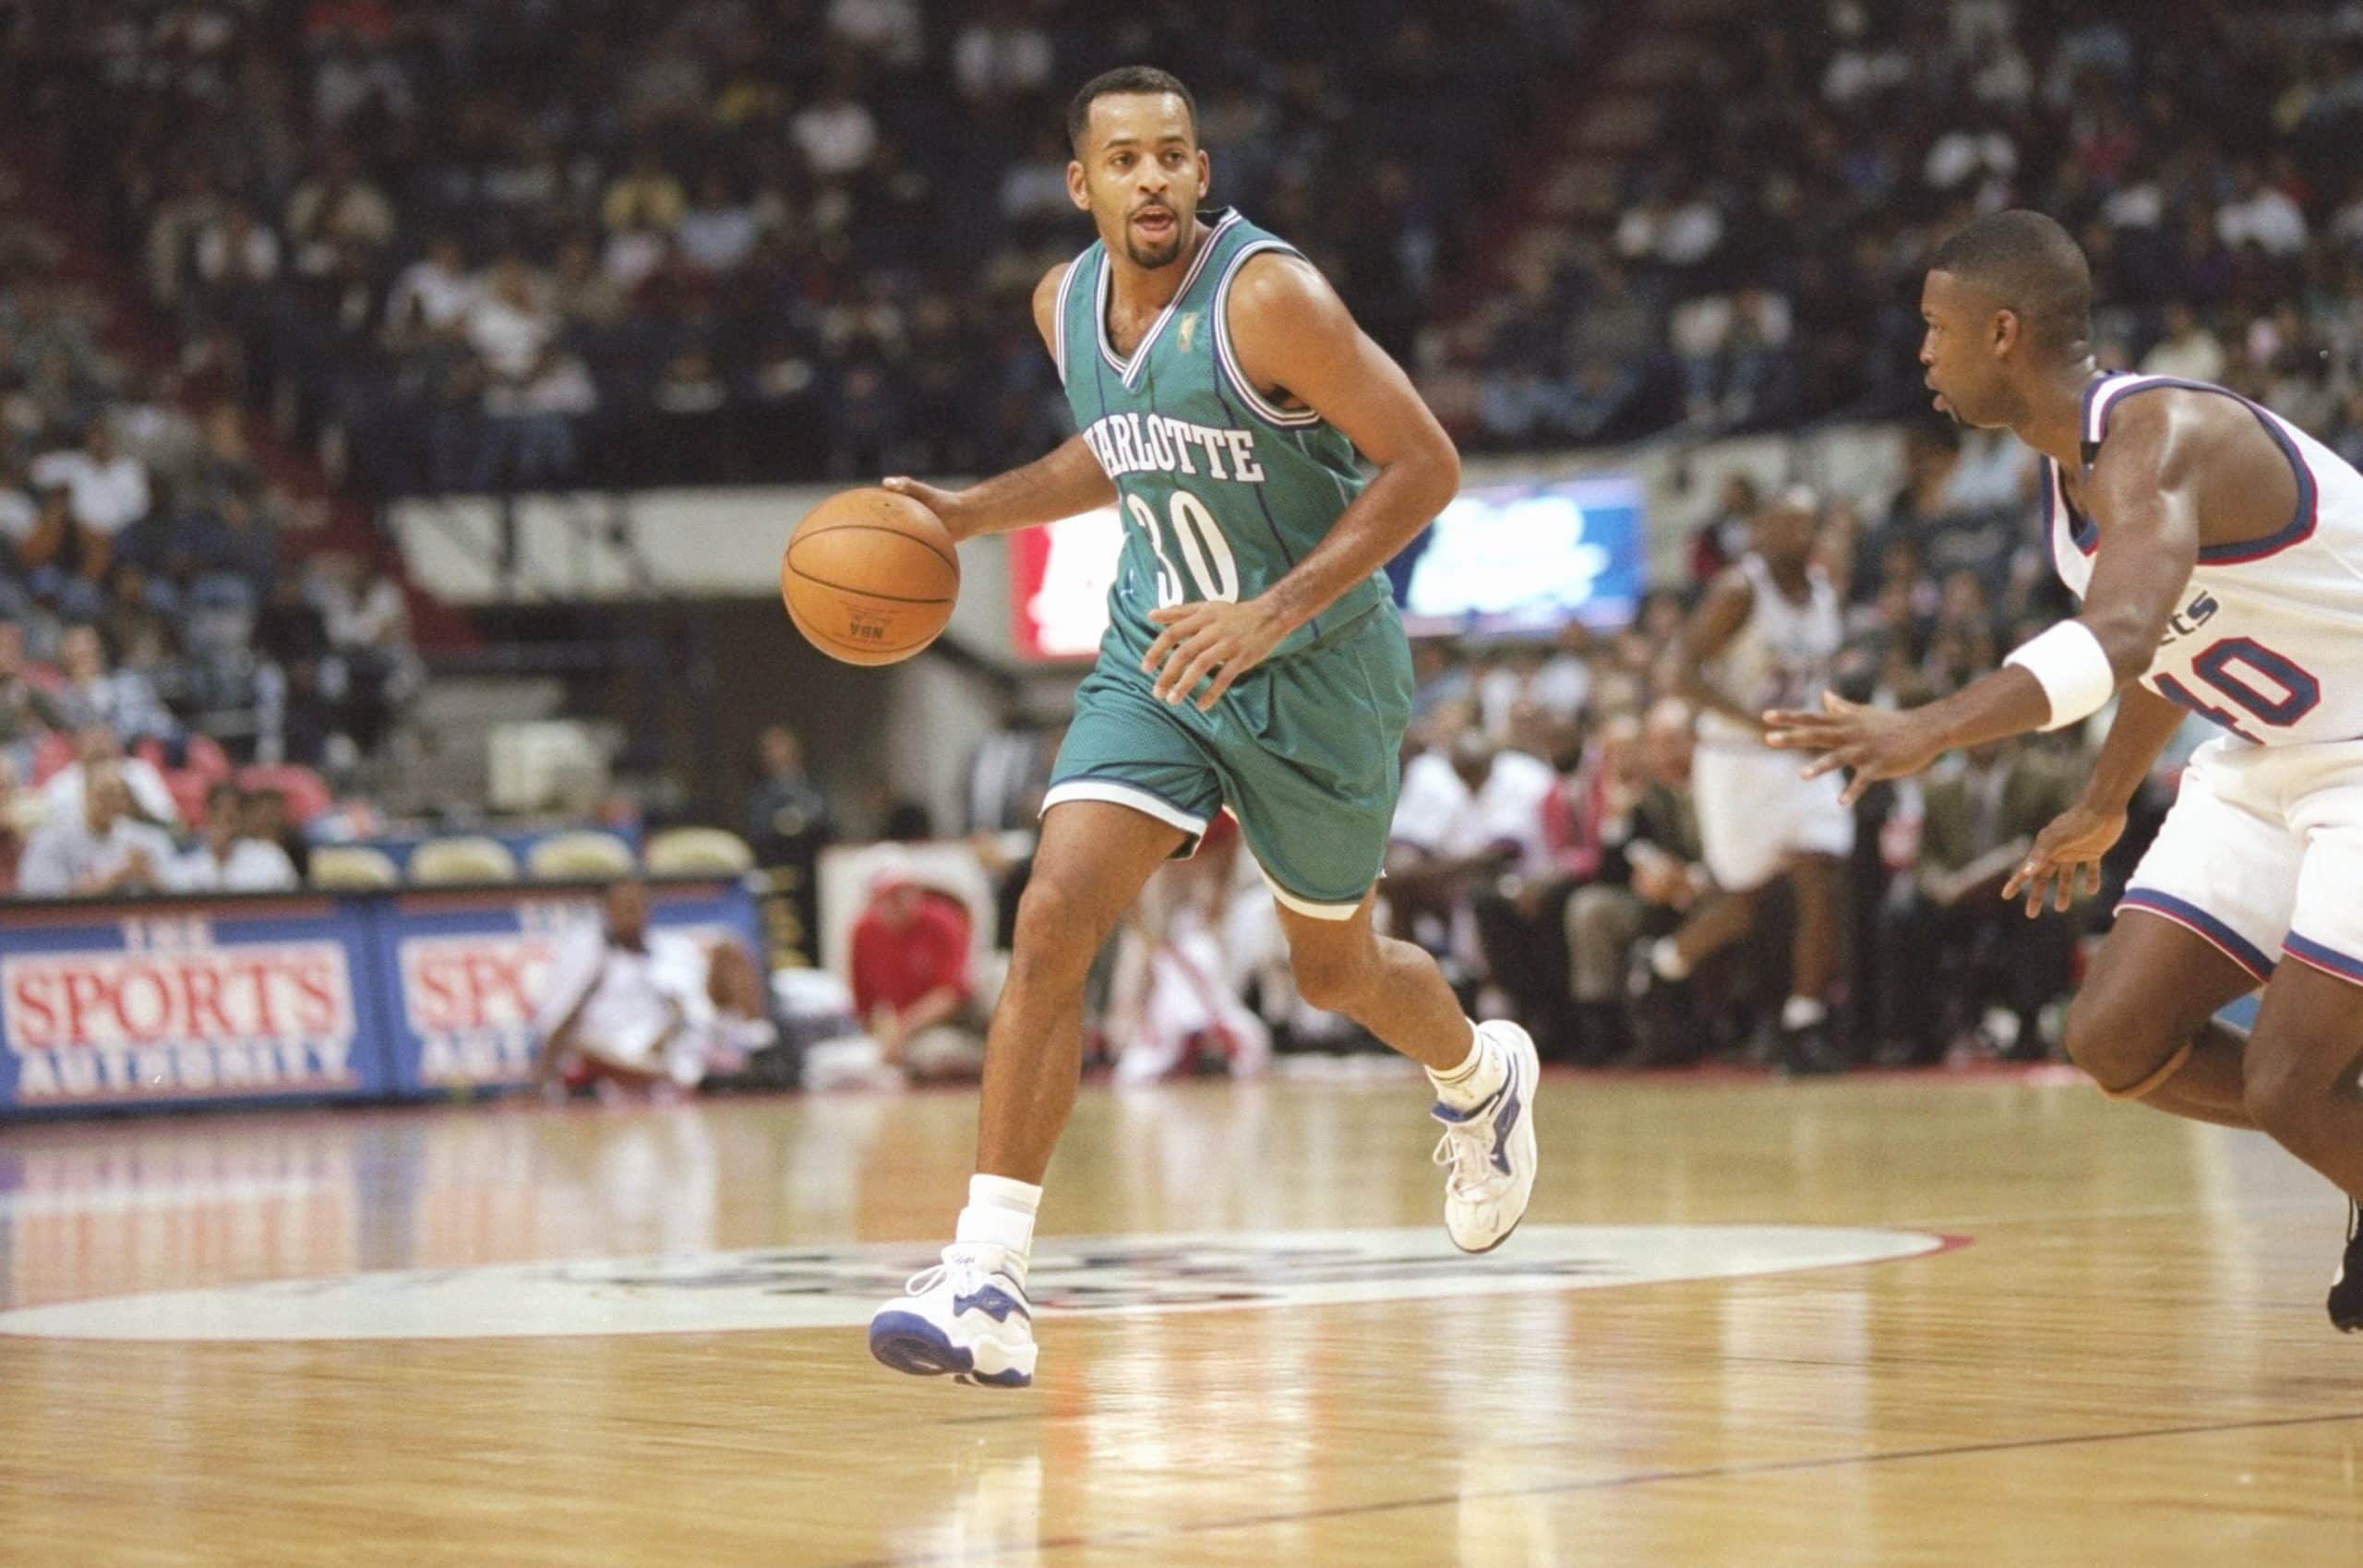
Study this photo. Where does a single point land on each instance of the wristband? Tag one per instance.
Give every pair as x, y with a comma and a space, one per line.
2068, 663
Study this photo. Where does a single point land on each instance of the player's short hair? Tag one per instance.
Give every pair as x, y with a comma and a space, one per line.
2033, 267
1123, 80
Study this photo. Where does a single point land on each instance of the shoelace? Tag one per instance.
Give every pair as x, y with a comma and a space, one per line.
963, 1265
1467, 1150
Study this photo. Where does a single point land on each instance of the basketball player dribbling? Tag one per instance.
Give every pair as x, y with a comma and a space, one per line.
1253, 661
2218, 551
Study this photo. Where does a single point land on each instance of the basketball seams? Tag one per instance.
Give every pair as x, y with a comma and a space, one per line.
803, 535
871, 593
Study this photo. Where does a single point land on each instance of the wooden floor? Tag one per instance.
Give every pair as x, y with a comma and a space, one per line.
2095, 1338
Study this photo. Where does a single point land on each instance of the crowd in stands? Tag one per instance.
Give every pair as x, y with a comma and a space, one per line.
470, 244
1765, 261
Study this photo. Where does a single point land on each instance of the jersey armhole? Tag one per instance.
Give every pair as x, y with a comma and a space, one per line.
1226, 356
1059, 315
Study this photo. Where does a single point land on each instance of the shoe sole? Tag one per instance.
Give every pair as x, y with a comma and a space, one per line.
1521, 1141
908, 1342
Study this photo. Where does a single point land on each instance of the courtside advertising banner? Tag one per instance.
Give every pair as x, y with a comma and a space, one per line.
175, 1002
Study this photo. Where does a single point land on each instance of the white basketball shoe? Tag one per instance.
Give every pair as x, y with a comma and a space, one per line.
966, 1317
1490, 1150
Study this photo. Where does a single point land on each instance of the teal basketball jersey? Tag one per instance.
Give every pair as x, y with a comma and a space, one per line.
1220, 491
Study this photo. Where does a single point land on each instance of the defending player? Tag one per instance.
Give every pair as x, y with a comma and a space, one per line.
2218, 551
1766, 635
1253, 660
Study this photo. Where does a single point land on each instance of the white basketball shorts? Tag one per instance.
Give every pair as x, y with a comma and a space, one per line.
1755, 812
2262, 855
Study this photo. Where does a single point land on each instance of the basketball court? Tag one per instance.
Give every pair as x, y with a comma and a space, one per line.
1889, 1321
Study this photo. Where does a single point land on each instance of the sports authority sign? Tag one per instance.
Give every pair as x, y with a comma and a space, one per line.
237, 1000
809, 1287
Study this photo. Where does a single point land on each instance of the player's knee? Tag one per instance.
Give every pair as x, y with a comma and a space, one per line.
1053, 940
2120, 1046
1332, 980
2282, 1100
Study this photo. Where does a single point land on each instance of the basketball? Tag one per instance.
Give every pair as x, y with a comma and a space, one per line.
869, 577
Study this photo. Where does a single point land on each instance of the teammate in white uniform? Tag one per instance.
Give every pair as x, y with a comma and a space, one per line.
2219, 555
1765, 636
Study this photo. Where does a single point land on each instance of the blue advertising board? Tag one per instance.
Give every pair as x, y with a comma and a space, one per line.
269, 997
169, 1001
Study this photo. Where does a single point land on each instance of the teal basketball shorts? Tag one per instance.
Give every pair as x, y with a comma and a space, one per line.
1304, 750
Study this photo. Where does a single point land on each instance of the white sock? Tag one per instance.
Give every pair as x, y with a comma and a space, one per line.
1667, 960
1478, 1079
1803, 1013
1001, 1212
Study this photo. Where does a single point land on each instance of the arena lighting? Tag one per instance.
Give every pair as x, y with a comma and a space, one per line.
1501, 560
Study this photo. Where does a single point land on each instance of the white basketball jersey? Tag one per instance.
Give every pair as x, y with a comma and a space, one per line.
2268, 641
1782, 655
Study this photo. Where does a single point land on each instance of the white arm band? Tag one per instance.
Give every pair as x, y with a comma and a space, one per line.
2068, 663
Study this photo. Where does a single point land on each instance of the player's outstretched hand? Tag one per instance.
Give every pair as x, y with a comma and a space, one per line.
2066, 853
1871, 743
947, 506
1214, 640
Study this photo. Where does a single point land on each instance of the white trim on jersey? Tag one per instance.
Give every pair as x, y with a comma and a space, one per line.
1115, 793
1305, 906
1288, 419
1129, 369
1059, 320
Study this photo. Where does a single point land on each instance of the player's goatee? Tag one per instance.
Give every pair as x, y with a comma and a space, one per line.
1165, 255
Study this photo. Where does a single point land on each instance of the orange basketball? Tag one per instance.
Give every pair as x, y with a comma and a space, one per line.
869, 577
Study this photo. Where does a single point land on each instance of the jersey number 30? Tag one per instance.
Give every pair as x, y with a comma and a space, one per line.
2285, 694
1214, 570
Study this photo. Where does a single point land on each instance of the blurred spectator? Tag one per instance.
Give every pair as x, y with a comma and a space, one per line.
1635, 806
97, 750
228, 858
1949, 950
98, 849
106, 493
625, 1006
338, 212
911, 983
1467, 816
1176, 999
28, 705
269, 819
787, 823
2186, 348
432, 297
90, 693
1723, 538
532, 389
12, 838
835, 133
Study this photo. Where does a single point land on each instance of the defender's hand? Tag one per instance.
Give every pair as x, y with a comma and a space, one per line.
1875, 743
950, 509
1212, 637
2066, 853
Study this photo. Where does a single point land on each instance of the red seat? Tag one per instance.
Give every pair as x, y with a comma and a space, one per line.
51, 753
308, 794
